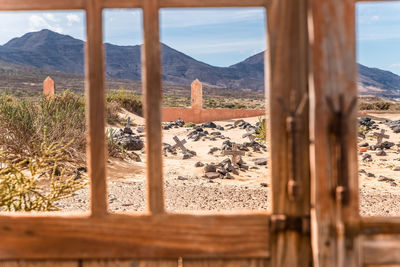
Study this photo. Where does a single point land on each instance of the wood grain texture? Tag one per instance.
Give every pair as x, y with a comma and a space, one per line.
128, 237
130, 263
334, 75
34, 263
381, 250
288, 78
122, 3
41, 4
95, 95
213, 3
380, 225
152, 92
227, 263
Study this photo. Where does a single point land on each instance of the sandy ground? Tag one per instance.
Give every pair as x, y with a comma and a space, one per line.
381, 198
249, 190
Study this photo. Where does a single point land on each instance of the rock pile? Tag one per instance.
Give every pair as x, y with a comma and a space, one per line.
128, 140
173, 124
199, 133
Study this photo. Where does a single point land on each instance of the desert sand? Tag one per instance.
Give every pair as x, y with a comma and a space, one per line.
187, 190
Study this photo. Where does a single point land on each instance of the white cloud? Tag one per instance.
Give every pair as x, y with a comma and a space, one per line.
72, 18
395, 65
37, 23
50, 17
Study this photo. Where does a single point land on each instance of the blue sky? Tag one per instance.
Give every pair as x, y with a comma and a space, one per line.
220, 37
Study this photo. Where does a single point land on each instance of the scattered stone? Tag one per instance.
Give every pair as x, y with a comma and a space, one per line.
199, 164
380, 152
264, 184
370, 175
260, 161
212, 175
385, 179
131, 142
210, 168
396, 169
209, 125
367, 157
212, 150
140, 129
364, 145
182, 178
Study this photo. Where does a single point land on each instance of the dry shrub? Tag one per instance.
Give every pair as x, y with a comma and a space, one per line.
32, 184
26, 123
127, 99
378, 105
112, 113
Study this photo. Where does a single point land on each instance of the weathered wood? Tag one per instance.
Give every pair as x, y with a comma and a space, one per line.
214, 3
34, 263
227, 263
381, 250
95, 92
121, 3
129, 237
380, 225
41, 4
130, 263
288, 52
151, 76
334, 76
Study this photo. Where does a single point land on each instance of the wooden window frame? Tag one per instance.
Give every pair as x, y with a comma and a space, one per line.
155, 234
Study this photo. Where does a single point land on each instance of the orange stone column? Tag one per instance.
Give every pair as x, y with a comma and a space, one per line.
197, 95
48, 87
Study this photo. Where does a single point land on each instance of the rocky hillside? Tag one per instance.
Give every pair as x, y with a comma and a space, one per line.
56, 52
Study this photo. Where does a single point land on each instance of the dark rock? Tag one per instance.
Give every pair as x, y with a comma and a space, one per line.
131, 142
212, 175
199, 164
367, 157
260, 161
212, 150
210, 168
380, 152
264, 184
209, 125
385, 179
364, 145
182, 178
128, 130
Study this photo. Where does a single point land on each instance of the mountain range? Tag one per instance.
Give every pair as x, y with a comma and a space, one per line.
51, 51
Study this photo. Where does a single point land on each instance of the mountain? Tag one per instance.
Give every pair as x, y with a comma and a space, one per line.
56, 52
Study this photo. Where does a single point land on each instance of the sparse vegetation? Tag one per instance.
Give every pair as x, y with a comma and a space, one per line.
36, 183
261, 131
378, 105
126, 99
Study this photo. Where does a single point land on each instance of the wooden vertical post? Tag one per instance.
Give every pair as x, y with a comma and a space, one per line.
288, 80
95, 95
333, 86
151, 75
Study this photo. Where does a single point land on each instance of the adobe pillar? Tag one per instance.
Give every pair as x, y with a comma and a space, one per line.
48, 87
197, 95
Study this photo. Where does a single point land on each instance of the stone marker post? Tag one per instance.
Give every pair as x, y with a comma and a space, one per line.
48, 87
197, 95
